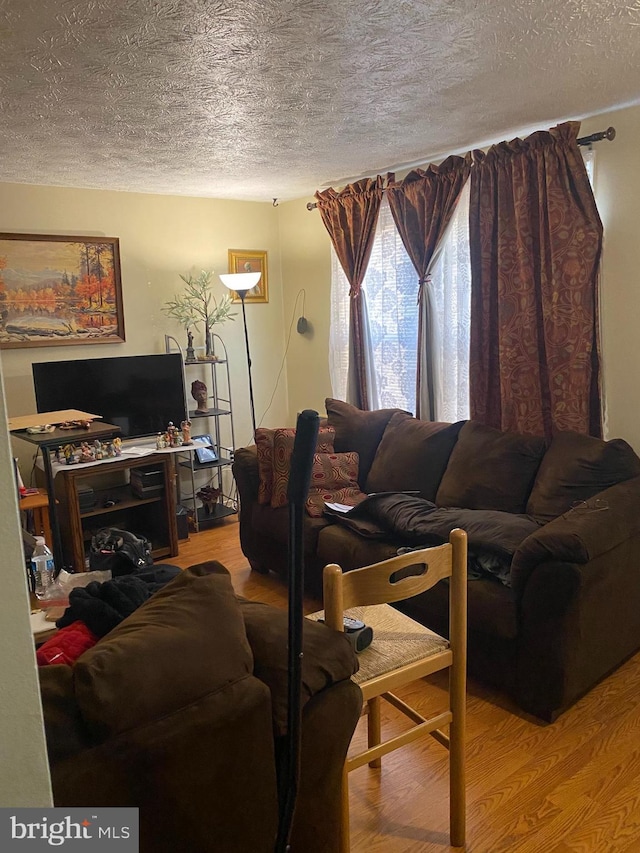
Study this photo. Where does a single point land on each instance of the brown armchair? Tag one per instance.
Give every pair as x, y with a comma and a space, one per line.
181, 711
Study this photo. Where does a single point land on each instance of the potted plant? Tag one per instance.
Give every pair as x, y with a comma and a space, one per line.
198, 305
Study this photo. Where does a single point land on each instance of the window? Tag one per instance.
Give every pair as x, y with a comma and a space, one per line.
390, 292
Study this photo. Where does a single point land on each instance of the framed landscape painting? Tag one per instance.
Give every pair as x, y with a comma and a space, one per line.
250, 260
58, 290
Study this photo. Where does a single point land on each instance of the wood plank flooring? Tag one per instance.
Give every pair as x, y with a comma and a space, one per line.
569, 787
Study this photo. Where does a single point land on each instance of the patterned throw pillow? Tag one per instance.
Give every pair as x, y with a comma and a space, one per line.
264, 447
334, 478
283, 440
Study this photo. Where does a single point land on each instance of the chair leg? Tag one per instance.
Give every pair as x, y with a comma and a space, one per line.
373, 727
345, 842
457, 793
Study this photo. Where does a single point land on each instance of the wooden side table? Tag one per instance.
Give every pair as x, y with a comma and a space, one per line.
39, 506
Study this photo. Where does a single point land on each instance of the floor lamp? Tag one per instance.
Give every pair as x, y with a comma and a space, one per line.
241, 283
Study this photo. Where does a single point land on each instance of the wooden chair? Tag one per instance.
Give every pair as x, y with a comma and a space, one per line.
404, 651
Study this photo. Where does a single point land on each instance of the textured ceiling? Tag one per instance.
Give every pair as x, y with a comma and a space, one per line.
258, 99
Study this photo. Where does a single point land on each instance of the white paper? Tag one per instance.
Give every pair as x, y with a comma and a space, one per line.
338, 507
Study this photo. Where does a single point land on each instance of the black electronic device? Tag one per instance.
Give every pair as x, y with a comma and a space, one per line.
359, 635
207, 454
138, 393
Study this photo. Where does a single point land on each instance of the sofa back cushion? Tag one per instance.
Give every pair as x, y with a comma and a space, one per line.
412, 456
185, 642
283, 441
575, 468
358, 430
490, 469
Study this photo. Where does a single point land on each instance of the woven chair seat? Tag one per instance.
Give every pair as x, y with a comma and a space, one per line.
397, 640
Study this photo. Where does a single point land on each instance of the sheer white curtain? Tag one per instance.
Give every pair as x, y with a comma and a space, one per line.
450, 289
389, 295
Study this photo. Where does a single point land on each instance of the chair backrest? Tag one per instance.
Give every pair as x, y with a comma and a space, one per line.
396, 579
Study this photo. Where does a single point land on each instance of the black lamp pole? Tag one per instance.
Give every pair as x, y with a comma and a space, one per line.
242, 294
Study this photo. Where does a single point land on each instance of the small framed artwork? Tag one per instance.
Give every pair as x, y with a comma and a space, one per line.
205, 454
250, 260
57, 290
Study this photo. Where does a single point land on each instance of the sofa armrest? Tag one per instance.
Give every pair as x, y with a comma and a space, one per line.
581, 536
245, 471
327, 659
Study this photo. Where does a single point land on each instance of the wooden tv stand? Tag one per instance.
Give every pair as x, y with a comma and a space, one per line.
116, 505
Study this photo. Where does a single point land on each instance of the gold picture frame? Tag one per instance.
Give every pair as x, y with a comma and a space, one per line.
57, 290
250, 260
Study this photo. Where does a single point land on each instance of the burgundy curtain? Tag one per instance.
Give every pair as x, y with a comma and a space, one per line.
350, 217
536, 241
422, 206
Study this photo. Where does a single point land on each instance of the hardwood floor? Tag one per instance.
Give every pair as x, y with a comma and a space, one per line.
569, 787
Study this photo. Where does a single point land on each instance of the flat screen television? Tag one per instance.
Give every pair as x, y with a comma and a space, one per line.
138, 393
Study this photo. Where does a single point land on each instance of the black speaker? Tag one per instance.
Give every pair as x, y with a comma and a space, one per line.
182, 522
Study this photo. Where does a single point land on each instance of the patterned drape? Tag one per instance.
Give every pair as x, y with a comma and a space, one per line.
536, 240
350, 217
422, 206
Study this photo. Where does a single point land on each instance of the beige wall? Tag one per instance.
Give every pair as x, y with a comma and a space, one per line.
24, 773
306, 265
617, 189
306, 262
160, 237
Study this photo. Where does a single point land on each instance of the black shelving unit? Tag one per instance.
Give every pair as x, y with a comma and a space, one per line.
218, 423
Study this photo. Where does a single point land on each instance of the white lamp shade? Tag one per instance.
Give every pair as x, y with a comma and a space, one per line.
240, 281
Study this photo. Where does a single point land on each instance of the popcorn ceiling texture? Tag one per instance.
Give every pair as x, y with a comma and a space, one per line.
256, 99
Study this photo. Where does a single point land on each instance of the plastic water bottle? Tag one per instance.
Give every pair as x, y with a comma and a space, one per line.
42, 568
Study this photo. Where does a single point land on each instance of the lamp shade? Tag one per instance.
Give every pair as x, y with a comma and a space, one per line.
240, 281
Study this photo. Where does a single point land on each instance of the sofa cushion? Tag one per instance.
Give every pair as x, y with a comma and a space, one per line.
412, 456
274, 524
327, 658
184, 643
490, 469
283, 441
492, 608
358, 430
575, 468
334, 477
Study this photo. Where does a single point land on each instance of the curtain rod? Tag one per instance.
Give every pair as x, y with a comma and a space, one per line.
609, 133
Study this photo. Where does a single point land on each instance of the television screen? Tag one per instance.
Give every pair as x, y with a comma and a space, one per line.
138, 393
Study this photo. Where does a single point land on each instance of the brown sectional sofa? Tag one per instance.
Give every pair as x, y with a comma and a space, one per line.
569, 612
181, 710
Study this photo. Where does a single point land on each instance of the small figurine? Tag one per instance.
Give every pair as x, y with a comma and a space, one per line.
117, 444
160, 442
186, 432
191, 355
199, 394
172, 432
68, 451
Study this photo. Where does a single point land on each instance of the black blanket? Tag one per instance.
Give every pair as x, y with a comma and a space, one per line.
102, 606
412, 522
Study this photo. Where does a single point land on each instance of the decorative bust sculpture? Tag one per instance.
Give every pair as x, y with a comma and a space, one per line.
199, 394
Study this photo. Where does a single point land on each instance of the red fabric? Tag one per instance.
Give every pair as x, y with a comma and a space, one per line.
66, 645
535, 239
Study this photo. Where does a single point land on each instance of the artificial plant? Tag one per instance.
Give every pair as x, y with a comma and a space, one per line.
198, 305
